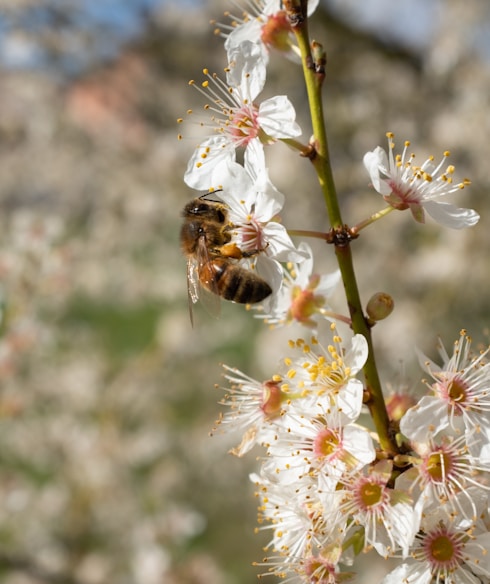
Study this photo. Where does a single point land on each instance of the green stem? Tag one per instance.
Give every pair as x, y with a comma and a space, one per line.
304, 149
374, 217
321, 162
308, 233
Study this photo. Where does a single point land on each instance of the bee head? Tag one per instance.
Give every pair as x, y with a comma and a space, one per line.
202, 209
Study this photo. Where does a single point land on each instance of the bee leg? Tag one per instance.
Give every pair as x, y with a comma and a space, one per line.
231, 250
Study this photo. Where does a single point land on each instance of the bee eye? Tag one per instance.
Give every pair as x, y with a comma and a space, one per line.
201, 209
221, 216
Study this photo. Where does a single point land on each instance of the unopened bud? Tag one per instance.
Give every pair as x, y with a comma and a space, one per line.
380, 306
319, 57
272, 397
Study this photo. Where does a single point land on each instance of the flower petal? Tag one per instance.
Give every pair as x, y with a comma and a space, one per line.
211, 152
450, 215
375, 161
277, 117
247, 69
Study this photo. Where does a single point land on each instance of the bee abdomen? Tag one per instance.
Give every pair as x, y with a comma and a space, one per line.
241, 285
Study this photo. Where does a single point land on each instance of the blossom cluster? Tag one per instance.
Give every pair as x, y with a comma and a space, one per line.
326, 490
329, 486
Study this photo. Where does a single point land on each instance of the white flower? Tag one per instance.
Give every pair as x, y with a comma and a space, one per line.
254, 204
461, 396
320, 443
254, 408
443, 469
265, 23
236, 120
405, 185
303, 295
448, 548
295, 515
327, 374
386, 514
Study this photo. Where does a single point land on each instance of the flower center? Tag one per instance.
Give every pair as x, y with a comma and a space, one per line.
303, 304
326, 443
443, 550
251, 236
457, 390
244, 125
275, 32
438, 466
454, 391
371, 494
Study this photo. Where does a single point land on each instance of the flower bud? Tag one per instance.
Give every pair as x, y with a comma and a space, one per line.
380, 306
272, 397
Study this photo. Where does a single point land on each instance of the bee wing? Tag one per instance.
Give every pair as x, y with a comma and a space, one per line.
204, 290
192, 286
192, 281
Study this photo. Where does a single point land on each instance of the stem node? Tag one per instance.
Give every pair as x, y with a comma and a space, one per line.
341, 236
296, 11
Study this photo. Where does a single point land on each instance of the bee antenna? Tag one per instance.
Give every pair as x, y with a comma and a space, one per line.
206, 195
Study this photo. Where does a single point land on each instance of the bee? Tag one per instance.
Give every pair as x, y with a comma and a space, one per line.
212, 258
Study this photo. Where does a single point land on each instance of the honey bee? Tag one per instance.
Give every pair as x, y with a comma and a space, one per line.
212, 258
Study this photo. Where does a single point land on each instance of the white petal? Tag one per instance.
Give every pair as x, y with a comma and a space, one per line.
305, 268
254, 162
234, 180
375, 161
413, 572
312, 6
270, 270
478, 558
279, 244
328, 283
359, 443
349, 400
450, 215
247, 69
277, 117
248, 31
356, 356
428, 417
271, 7
267, 206
206, 157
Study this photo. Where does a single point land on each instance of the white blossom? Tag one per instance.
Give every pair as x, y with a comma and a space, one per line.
405, 185
235, 119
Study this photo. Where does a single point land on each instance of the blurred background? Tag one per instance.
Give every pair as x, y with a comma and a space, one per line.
107, 473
